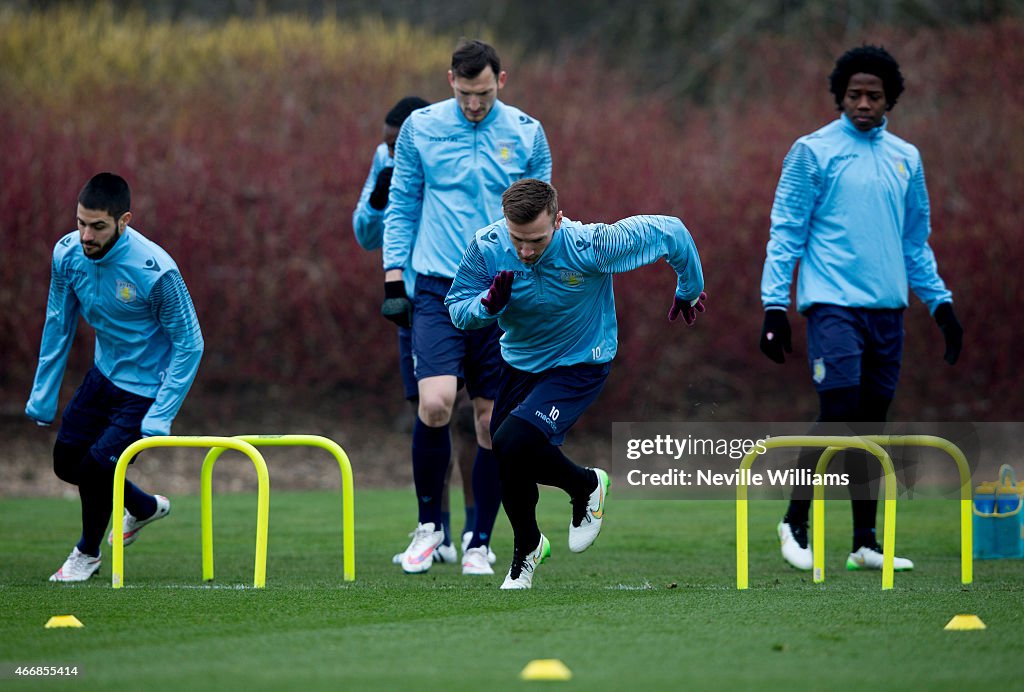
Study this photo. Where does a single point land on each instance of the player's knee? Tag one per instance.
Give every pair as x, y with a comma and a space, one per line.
435, 411
483, 430
67, 461
516, 441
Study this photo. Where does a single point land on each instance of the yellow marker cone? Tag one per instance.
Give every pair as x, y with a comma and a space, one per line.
63, 621
546, 669
965, 622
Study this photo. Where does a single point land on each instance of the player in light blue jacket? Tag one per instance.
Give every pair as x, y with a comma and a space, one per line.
147, 352
368, 224
852, 208
453, 160
547, 281
368, 218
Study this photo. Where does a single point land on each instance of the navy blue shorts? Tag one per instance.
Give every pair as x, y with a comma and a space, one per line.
552, 400
103, 417
412, 392
855, 347
441, 348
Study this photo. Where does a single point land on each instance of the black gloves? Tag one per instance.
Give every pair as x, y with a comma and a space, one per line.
776, 335
397, 307
379, 196
951, 331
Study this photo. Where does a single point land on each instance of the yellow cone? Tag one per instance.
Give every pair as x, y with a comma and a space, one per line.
63, 621
965, 622
546, 669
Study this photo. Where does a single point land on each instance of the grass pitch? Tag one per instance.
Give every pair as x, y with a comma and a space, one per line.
652, 605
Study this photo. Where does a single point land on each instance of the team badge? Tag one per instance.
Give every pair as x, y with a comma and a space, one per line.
505, 151
818, 370
126, 291
571, 278
901, 169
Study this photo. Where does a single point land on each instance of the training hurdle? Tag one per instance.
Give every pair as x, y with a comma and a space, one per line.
966, 529
348, 510
262, 503
827, 442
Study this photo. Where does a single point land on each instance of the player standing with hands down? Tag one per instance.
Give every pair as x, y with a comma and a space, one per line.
453, 160
368, 224
148, 347
547, 281
852, 208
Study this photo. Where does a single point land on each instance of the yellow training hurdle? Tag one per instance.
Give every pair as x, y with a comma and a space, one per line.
348, 509
262, 503
247, 445
966, 531
828, 442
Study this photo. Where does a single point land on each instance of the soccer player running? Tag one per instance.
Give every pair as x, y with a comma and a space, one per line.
547, 282
852, 208
148, 347
368, 224
453, 160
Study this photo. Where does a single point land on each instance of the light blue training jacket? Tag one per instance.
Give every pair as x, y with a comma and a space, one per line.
562, 309
852, 208
449, 176
367, 222
148, 340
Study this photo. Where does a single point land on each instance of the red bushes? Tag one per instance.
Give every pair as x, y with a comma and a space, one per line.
249, 179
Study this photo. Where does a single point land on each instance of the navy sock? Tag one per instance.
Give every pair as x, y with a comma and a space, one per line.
446, 525
95, 481
431, 452
470, 520
487, 494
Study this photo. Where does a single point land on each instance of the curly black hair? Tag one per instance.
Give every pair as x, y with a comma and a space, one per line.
873, 60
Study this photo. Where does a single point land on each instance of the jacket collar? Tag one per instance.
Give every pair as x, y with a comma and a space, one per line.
873, 133
491, 116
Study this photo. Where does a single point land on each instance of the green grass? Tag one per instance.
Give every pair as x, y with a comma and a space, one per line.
653, 605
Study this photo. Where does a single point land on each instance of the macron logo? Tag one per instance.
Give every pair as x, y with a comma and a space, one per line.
549, 418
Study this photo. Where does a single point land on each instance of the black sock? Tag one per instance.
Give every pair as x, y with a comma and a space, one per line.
864, 537
515, 447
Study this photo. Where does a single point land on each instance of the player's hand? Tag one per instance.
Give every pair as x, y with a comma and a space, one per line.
379, 196
952, 332
397, 307
499, 293
776, 336
687, 308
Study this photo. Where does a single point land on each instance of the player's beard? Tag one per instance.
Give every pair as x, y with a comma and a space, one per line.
103, 249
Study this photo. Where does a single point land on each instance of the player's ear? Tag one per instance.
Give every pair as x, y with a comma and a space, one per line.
558, 220
123, 222
502, 76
